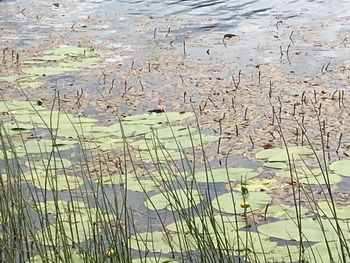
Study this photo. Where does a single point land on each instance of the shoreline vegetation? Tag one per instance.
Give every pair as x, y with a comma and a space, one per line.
71, 190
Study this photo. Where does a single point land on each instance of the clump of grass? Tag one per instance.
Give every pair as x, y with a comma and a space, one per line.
94, 222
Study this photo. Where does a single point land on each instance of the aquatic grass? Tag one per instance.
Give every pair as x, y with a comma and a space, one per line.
97, 223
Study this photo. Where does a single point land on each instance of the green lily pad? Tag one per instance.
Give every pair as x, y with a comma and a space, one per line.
170, 132
44, 145
276, 165
257, 200
341, 167
142, 185
220, 175
154, 260
280, 154
285, 211
156, 118
71, 256
54, 163
325, 209
311, 229
188, 142
17, 127
20, 106
307, 176
161, 242
330, 252
259, 184
65, 233
287, 253
159, 156
172, 200
205, 224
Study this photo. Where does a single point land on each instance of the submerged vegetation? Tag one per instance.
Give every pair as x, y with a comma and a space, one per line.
71, 189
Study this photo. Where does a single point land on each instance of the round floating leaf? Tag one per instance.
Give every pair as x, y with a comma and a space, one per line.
231, 202
259, 184
17, 127
220, 175
205, 224
65, 233
286, 253
313, 176
44, 145
341, 167
142, 185
20, 107
159, 156
173, 200
170, 132
189, 141
156, 118
276, 165
154, 260
280, 154
58, 257
285, 211
148, 144
161, 242
54, 163
330, 252
325, 209
311, 229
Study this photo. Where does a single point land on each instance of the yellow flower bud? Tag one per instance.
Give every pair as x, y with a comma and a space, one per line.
245, 204
110, 253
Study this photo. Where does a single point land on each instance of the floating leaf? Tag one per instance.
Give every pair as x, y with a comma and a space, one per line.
154, 260
280, 154
325, 208
276, 165
285, 211
65, 233
71, 256
161, 242
311, 230
53, 163
156, 118
313, 176
230, 202
170, 132
219, 175
142, 185
286, 253
259, 184
172, 200
44, 145
159, 155
330, 252
205, 224
341, 167
189, 141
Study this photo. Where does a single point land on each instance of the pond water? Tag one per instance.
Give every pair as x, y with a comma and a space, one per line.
239, 64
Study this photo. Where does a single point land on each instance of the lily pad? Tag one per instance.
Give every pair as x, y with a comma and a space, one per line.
157, 118
170, 132
231, 202
220, 175
276, 165
154, 260
173, 200
285, 211
161, 242
54, 163
259, 184
44, 145
280, 154
71, 256
311, 229
330, 252
65, 233
189, 141
142, 185
313, 176
341, 167
325, 209
159, 155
